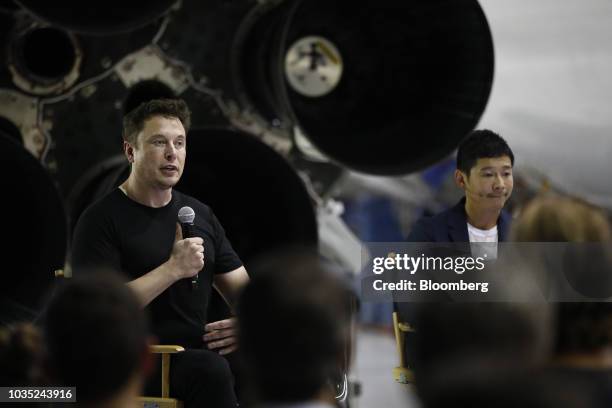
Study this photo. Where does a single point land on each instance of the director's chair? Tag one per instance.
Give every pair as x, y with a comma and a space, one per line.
164, 401
402, 373
165, 350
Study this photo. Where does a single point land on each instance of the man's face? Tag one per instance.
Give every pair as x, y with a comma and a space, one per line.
489, 184
159, 155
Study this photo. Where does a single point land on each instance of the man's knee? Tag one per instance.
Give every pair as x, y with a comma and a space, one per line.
203, 366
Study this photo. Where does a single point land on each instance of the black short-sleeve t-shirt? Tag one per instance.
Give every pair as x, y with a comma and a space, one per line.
117, 233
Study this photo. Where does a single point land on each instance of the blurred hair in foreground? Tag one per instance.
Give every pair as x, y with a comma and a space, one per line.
294, 319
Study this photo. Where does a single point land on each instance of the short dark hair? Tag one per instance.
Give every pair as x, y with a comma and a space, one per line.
532, 387
96, 335
134, 121
294, 326
583, 327
480, 144
500, 336
22, 356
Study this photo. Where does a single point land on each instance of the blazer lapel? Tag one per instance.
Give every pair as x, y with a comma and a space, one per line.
457, 223
503, 226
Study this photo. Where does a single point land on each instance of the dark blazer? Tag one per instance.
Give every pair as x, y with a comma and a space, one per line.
451, 226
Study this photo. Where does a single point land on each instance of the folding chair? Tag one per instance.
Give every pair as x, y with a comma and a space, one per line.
164, 401
402, 374
165, 350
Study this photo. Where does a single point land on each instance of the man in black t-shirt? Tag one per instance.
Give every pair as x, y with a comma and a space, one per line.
134, 230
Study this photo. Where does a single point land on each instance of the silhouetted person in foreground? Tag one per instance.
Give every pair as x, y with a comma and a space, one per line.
477, 342
583, 340
97, 339
294, 330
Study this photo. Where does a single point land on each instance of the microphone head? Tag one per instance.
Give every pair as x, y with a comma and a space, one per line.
186, 215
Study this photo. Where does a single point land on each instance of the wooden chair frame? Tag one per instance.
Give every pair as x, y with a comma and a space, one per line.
402, 373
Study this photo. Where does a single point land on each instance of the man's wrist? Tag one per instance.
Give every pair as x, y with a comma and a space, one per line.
173, 270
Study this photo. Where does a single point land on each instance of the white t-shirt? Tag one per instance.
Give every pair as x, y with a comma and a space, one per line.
483, 241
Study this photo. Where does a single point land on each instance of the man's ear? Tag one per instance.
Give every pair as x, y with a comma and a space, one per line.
460, 179
128, 150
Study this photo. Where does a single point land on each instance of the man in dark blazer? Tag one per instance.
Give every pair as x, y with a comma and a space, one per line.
484, 172
451, 226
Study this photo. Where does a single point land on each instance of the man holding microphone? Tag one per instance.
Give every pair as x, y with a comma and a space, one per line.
134, 230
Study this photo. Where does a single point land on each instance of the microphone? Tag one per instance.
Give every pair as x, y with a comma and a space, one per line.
186, 216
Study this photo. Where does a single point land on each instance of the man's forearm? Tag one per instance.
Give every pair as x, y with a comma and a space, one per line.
230, 284
153, 283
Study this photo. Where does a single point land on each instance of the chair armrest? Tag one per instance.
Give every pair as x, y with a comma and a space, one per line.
165, 351
402, 373
164, 348
405, 327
